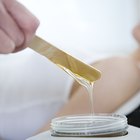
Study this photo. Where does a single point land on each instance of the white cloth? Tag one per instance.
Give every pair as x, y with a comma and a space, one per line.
32, 90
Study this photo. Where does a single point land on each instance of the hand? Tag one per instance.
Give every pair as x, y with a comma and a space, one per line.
17, 26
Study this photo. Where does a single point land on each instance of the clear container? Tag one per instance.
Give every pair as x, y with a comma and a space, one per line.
97, 125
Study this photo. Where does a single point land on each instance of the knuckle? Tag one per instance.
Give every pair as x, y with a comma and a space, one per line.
31, 26
7, 45
18, 37
30, 29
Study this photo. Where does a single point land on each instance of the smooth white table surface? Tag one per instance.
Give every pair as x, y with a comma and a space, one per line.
133, 134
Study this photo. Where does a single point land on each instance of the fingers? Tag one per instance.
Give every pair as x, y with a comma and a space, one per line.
7, 45
9, 29
17, 26
27, 22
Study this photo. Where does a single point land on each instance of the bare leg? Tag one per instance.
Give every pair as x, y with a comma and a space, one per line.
120, 81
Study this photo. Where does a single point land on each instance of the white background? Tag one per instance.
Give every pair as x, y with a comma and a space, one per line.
93, 25
87, 26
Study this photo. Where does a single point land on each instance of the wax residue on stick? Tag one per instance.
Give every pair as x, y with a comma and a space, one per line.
85, 83
83, 73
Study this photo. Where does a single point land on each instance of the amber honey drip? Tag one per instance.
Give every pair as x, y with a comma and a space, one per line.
84, 74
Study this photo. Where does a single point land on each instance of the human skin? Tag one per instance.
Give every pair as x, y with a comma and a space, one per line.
136, 33
17, 26
119, 82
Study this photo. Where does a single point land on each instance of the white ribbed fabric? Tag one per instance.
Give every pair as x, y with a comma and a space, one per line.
32, 90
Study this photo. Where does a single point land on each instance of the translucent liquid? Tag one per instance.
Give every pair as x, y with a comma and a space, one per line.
87, 84
65, 61
86, 76
90, 92
83, 73
95, 125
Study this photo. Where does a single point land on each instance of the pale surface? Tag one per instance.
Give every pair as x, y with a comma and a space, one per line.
133, 134
81, 26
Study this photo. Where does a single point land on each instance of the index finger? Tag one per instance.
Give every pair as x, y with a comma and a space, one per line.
27, 22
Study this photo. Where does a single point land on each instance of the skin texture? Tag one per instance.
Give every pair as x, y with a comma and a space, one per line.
119, 82
17, 27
